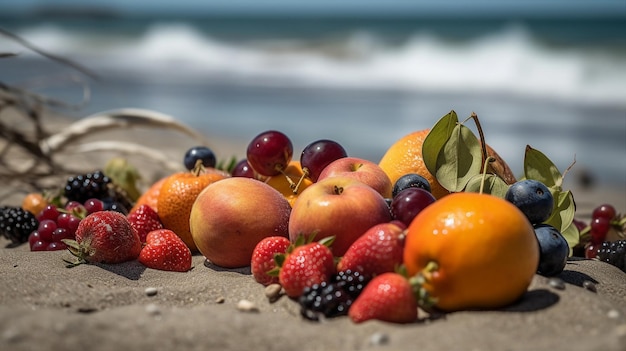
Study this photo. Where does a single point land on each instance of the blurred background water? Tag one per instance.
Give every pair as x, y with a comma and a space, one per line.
365, 74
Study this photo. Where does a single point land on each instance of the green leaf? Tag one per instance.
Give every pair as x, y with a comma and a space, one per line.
460, 159
572, 236
564, 210
539, 167
494, 185
436, 139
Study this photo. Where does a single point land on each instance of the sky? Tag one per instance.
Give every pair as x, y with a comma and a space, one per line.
537, 7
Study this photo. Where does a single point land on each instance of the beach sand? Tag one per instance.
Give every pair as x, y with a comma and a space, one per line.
46, 306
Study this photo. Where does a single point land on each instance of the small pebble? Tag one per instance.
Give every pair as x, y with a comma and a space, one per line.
589, 286
151, 291
557, 283
153, 309
378, 339
220, 299
247, 306
273, 292
613, 314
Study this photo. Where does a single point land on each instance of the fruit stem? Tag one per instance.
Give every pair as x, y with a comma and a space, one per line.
424, 300
198, 168
485, 166
281, 169
481, 135
305, 173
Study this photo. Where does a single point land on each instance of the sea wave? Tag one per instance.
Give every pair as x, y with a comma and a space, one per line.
508, 61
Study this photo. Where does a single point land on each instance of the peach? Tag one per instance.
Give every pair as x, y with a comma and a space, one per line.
231, 216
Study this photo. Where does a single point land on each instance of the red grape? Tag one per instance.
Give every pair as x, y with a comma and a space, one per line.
61, 233
56, 245
591, 251
71, 205
269, 153
68, 221
45, 229
319, 154
50, 212
409, 202
33, 237
243, 169
38, 245
604, 211
599, 228
93, 205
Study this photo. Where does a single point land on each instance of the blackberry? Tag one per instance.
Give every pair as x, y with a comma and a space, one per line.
16, 224
613, 253
87, 186
334, 298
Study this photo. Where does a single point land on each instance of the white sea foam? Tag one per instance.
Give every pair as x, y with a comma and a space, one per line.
507, 62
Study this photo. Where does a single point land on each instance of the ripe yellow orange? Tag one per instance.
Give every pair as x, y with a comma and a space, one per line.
474, 251
34, 203
176, 197
405, 156
280, 183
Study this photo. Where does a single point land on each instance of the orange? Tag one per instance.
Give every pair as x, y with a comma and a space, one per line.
405, 156
34, 203
280, 182
473, 250
176, 197
150, 196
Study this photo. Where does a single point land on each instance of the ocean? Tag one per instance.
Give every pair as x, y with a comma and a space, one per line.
556, 84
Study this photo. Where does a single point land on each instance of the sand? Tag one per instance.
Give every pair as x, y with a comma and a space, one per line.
46, 306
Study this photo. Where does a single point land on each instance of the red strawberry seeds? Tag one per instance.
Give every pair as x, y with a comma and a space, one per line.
263, 260
144, 219
306, 265
165, 251
104, 237
388, 297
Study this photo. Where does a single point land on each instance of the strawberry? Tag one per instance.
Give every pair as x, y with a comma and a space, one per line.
388, 297
144, 219
165, 251
104, 237
378, 250
305, 265
263, 258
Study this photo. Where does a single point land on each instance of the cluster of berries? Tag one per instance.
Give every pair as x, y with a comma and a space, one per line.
536, 201
308, 274
607, 241
94, 205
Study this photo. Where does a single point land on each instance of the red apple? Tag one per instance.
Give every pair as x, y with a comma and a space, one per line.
360, 169
339, 206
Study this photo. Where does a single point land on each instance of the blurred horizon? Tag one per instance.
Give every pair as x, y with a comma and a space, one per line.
351, 8
551, 74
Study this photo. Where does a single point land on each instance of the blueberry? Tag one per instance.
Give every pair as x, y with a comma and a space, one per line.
553, 250
533, 198
109, 204
410, 180
199, 153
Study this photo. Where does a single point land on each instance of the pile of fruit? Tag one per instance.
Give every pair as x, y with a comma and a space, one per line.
438, 224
